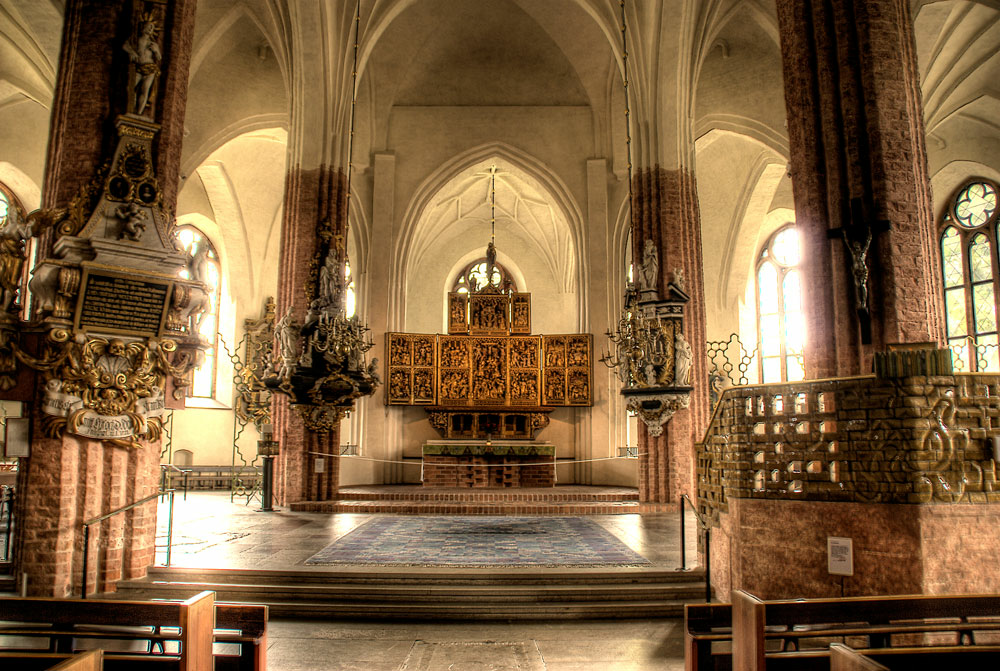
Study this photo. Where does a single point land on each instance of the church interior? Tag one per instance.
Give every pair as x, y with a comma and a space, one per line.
735, 262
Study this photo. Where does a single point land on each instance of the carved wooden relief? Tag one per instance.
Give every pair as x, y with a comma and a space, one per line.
525, 378
567, 370
520, 310
489, 314
412, 365
454, 374
489, 371
458, 310
501, 370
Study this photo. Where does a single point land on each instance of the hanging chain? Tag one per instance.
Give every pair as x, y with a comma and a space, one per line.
628, 125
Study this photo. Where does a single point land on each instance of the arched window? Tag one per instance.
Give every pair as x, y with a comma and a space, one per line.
969, 271
9, 203
780, 326
350, 293
6, 204
473, 278
203, 384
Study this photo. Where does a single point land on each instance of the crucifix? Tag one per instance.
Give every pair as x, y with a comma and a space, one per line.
857, 237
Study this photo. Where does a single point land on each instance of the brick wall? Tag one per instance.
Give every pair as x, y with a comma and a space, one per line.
904, 466
856, 133
311, 197
487, 471
666, 212
67, 481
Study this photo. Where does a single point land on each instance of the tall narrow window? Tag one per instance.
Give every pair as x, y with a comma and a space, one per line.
969, 274
193, 241
780, 326
350, 294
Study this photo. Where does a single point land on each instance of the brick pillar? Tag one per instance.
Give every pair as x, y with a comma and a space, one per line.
70, 479
88, 95
312, 197
666, 212
856, 130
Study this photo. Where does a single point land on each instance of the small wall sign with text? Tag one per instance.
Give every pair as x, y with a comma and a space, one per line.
839, 556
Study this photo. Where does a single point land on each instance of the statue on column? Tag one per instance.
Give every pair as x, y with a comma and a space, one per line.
682, 361
145, 55
649, 271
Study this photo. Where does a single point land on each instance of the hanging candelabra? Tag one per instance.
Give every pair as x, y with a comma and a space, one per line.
651, 357
321, 364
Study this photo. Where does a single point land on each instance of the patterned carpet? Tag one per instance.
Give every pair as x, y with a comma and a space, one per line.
474, 541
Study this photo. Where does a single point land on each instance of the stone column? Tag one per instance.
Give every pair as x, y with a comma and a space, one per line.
68, 480
858, 163
313, 198
383, 428
666, 212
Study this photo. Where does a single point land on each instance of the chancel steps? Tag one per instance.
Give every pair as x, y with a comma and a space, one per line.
414, 499
493, 593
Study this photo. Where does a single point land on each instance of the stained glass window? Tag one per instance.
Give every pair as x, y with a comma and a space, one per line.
780, 324
969, 274
193, 241
473, 278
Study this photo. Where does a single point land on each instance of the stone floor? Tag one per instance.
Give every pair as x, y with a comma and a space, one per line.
210, 531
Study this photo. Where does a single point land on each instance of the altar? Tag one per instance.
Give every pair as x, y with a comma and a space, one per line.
485, 463
488, 387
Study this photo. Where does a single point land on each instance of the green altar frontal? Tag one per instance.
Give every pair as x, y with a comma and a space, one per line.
477, 463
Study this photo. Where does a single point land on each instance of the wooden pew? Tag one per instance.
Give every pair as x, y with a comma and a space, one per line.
240, 637
92, 660
176, 634
708, 637
236, 633
896, 631
843, 658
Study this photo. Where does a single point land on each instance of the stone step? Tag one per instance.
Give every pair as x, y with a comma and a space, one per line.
430, 507
451, 594
566, 494
355, 575
482, 594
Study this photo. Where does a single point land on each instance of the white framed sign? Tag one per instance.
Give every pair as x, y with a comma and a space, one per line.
839, 555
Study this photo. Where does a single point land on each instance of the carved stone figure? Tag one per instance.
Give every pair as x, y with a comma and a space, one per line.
679, 280
859, 268
12, 237
682, 361
288, 342
329, 275
649, 271
113, 361
145, 56
133, 218
199, 263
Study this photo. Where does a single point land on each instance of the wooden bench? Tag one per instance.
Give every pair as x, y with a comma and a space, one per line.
178, 634
240, 637
797, 634
212, 477
192, 635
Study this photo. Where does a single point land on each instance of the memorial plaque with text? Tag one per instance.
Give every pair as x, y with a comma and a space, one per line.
122, 303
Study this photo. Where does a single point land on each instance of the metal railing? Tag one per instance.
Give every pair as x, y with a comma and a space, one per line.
96, 520
165, 470
6, 518
707, 528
